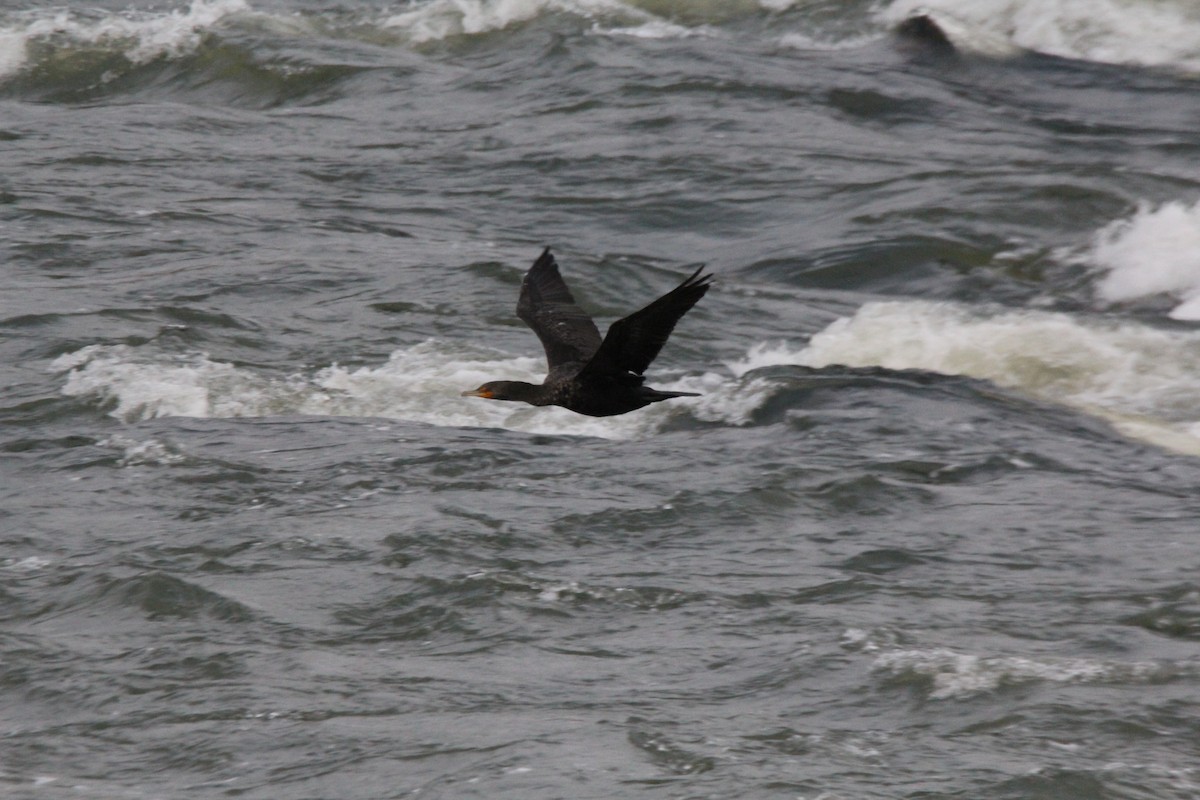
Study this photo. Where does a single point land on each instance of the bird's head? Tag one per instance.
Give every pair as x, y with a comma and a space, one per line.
501, 390
487, 392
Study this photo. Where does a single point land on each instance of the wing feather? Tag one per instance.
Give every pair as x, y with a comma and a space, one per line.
634, 341
547, 307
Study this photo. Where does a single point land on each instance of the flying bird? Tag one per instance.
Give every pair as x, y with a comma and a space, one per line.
588, 375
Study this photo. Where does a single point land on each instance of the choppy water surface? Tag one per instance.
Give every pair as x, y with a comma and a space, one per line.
930, 532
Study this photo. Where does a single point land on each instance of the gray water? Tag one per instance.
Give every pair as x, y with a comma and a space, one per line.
929, 533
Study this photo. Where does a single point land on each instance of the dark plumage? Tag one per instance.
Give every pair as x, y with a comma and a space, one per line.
587, 375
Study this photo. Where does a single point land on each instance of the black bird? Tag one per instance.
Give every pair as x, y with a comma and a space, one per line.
587, 375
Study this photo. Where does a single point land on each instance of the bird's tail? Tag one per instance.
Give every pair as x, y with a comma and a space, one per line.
656, 395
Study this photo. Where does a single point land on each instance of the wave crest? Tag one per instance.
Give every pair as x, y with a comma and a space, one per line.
1160, 34
1156, 251
1141, 378
138, 38
420, 383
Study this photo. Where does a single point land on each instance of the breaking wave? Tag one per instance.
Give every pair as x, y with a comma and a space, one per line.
419, 383
1134, 32
1142, 379
1154, 252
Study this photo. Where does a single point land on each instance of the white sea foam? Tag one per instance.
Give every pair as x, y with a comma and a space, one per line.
1141, 378
12, 51
1165, 33
956, 675
439, 19
1156, 251
140, 37
654, 29
803, 41
434, 20
421, 383
765, 354
143, 451
1161, 34
27, 564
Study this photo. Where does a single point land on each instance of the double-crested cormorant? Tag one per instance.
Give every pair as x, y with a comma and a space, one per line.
587, 375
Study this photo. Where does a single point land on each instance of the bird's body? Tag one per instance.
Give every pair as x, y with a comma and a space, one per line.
587, 374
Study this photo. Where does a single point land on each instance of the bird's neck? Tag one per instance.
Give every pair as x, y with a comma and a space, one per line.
532, 393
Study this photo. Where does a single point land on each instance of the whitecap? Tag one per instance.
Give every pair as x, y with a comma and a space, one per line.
1141, 378
955, 675
654, 29
136, 452
1160, 34
797, 40
27, 564
1156, 251
141, 37
435, 20
419, 383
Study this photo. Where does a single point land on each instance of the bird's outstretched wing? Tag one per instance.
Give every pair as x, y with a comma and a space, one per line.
633, 342
546, 306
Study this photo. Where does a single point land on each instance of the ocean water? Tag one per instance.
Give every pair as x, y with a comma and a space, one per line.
929, 532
